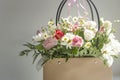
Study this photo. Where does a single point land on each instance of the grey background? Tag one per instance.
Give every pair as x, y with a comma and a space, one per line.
19, 20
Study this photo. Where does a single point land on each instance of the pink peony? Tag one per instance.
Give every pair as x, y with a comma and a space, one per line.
77, 41
49, 43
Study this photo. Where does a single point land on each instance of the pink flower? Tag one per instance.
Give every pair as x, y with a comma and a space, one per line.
77, 41
102, 29
75, 27
49, 43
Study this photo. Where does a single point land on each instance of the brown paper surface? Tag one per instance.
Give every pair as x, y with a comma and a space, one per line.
76, 69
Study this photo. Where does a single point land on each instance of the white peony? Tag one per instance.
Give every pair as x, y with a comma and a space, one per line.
89, 34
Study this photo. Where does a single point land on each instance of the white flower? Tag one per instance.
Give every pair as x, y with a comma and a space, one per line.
109, 59
81, 22
115, 44
107, 25
37, 37
87, 45
90, 24
102, 22
66, 20
50, 23
67, 40
89, 34
45, 35
110, 49
111, 36
75, 19
107, 54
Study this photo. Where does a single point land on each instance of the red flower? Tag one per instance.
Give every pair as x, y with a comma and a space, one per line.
58, 34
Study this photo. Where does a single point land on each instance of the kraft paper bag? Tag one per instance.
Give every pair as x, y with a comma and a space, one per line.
76, 69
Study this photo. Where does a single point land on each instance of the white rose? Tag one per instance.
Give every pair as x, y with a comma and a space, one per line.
89, 34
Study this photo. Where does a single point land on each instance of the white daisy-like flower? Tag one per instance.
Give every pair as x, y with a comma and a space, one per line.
66, 20
88, 45
81, 22
50, 23
45, 35
67, 40
75, 19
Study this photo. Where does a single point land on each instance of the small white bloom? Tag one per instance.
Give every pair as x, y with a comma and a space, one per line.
87, 45
37, 37
107, 25
75, 19
50, 23
81, 22
89, 34
45, 35
66, 20
67, 40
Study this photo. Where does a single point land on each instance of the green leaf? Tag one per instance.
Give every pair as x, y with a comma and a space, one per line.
115, 56
24, 52
29, 45
35, 57
39, 47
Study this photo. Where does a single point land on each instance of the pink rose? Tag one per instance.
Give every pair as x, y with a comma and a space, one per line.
49, 43
77, 41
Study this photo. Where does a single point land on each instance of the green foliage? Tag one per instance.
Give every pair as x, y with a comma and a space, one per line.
24, 52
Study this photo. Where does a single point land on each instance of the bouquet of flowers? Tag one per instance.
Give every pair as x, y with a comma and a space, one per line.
74, 37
